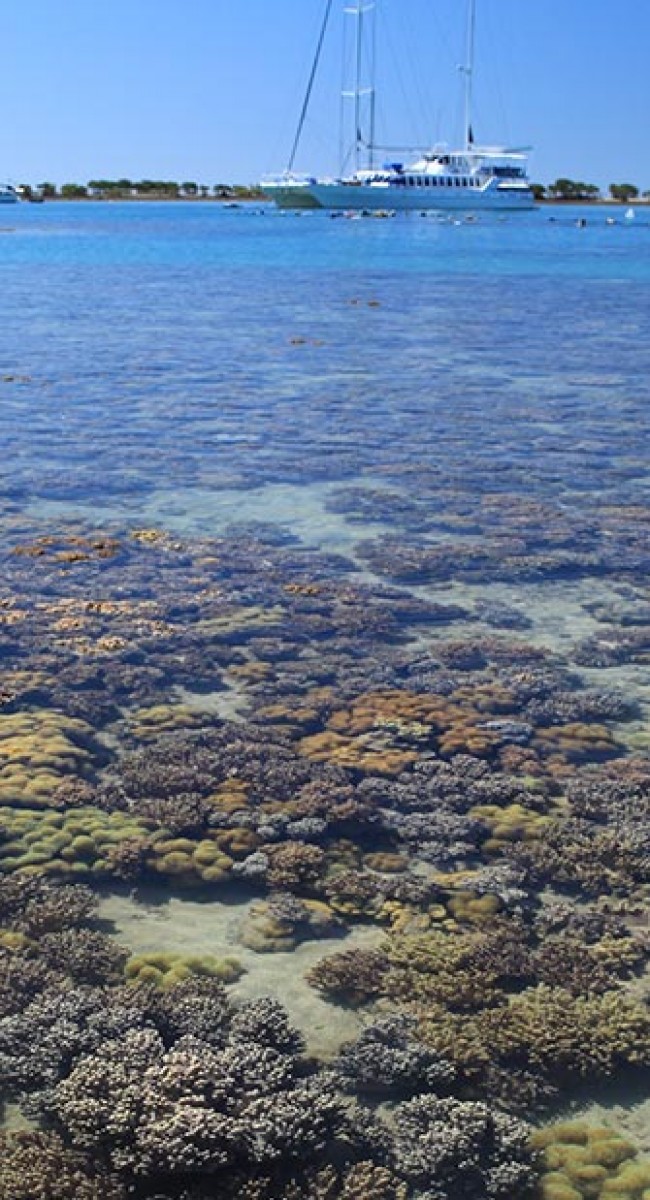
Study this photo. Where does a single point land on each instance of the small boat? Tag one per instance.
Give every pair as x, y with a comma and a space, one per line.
8, 194
473, 177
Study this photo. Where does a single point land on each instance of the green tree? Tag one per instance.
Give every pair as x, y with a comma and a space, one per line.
190, 189
47, 190
624, 192
539, 191
74, 191
572, 189
99, 187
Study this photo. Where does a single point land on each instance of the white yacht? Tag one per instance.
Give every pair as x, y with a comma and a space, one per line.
473, 178
8, 194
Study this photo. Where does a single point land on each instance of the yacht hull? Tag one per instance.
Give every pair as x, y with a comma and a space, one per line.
297, 196
373, 198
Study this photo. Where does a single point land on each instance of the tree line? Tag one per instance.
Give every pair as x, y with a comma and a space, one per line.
163, 189
575, 190
122, 189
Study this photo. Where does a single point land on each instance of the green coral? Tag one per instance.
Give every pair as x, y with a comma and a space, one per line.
166, 969
76, 843
38, 750
188, 861
583, 1162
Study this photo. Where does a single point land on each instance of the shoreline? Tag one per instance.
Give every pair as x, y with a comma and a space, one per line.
262, 199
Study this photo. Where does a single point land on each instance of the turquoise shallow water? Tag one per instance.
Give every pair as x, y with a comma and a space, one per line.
189, 347
324, 626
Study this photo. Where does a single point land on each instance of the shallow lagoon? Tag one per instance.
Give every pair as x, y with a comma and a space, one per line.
325, 570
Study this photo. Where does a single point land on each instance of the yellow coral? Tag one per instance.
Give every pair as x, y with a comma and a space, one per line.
167, 969
42, 842
38, 749
558, 1187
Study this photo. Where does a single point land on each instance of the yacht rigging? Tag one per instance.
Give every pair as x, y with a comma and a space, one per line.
473, 177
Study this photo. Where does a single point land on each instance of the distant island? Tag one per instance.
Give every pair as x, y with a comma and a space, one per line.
562, 191
574, 191
144, 189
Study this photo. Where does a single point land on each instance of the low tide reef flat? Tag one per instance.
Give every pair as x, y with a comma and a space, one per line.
324, 772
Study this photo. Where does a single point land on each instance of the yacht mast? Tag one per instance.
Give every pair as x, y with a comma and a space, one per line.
362, 92
358, 135
310, 86
468, 72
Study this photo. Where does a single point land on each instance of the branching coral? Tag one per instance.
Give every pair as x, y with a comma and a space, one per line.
562, 1039
38, 1166
354, 976
388, 1061
456, 1148
196, 1109
85, 955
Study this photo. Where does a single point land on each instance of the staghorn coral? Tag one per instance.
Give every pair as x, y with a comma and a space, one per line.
450, 969
566, 962
544, 1035
576, 856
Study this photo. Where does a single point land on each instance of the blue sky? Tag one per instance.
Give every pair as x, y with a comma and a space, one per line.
210, 90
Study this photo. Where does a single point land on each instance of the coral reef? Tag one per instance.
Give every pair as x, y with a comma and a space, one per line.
38, 749
353, 976
193, 1109
460, 1148
38, 1166
279, 923
75, 843
583, 1162
388, 1061
166, 970
248, 714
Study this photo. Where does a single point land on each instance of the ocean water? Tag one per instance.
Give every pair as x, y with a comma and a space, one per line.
258, 462
163, 355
